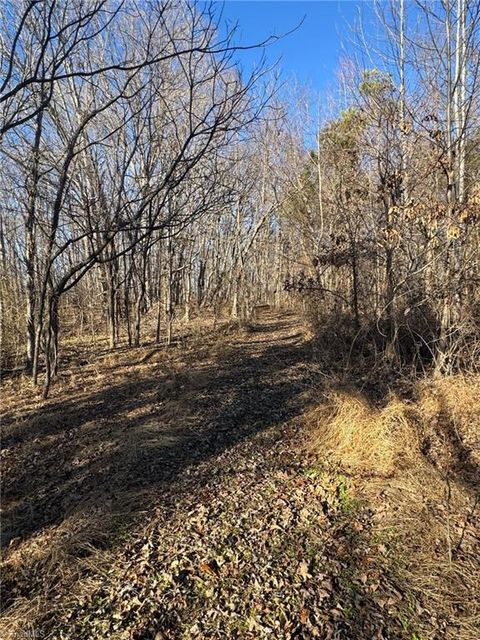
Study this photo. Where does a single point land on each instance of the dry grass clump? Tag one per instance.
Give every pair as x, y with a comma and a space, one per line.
46, 564
362, 438
449, 410
418, 464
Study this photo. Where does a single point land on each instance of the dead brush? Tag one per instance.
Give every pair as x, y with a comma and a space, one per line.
435, 537
449, 409
365, 440
425, 498
49, 564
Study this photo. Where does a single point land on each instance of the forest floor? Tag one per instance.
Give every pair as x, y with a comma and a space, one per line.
168, 493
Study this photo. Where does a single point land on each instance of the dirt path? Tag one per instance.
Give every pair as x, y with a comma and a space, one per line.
172, 498
139, 433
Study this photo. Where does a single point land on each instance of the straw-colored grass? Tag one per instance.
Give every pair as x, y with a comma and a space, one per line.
365, 440
417, 463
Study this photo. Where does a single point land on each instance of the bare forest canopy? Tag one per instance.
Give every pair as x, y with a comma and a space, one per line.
145, 178
240, 326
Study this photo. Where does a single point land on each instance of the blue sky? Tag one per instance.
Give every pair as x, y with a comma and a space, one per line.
312, 53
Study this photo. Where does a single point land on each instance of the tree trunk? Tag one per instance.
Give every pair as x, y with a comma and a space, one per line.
51, 347
169, 287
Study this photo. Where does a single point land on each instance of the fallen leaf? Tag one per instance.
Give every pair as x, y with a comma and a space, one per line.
206, 568
303, 569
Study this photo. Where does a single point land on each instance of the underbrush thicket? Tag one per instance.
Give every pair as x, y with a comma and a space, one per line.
408, 442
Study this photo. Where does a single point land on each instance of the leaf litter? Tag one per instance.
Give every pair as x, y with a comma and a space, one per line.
264, 550
251, 541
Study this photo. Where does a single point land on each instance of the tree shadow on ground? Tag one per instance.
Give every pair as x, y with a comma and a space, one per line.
143, 433
111, 455
463, 465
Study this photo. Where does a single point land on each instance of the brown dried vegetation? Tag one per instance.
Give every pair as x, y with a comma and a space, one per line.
175, 497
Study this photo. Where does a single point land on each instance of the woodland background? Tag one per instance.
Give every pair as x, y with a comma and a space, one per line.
145, 180
240, 328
